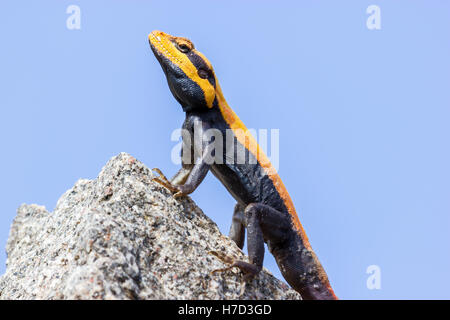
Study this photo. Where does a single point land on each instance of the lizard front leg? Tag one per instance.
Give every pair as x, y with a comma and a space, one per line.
178, 179
192, 176
181, 176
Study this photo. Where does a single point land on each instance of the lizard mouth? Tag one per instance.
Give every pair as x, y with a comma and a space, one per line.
162, 48
155, 44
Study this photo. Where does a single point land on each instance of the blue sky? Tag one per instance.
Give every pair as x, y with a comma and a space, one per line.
363, 117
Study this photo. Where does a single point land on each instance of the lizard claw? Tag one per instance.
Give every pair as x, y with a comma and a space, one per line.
232, 263
178, 194
162, 180
161, 175
249, 270
225, 259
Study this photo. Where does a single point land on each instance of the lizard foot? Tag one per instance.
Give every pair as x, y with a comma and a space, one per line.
249, 270
162, 180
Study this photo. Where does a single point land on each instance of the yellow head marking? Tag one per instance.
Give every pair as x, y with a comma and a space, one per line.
182, 53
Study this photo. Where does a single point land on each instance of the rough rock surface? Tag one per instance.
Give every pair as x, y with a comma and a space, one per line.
123, 236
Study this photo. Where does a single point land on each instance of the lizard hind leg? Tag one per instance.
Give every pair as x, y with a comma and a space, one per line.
263, 222
237, 229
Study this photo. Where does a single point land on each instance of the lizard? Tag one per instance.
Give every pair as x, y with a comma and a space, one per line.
264, 207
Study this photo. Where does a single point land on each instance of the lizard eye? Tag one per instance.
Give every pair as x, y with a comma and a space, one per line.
183, 48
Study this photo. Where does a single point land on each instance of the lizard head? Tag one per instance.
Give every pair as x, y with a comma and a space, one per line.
189, 74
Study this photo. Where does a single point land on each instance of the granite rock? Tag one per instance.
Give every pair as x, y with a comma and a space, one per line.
123, 236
